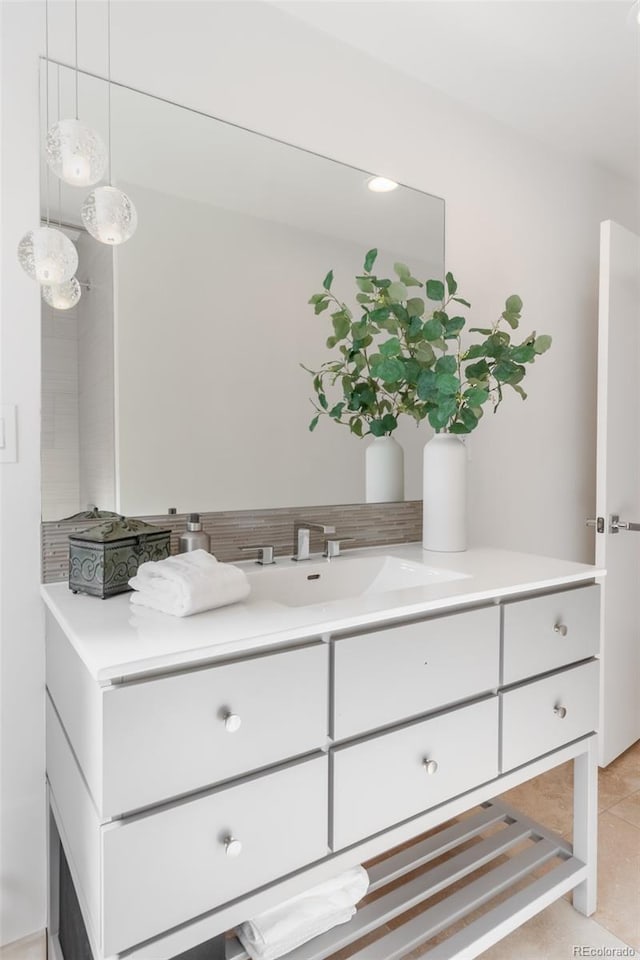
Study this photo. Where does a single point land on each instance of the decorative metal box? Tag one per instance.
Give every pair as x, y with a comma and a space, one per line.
103, 559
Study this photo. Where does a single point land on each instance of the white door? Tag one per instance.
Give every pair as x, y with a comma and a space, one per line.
618, 487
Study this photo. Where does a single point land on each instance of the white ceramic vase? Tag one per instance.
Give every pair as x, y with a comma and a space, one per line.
384, 471
444, 482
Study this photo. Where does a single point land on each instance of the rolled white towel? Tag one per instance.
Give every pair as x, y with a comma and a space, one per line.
289, 925
189, 583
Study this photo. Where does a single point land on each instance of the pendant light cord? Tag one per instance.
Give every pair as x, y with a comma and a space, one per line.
46, 54
109, 89
75, 9
59, 178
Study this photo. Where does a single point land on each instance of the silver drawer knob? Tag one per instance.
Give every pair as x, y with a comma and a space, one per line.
560, 712
430, 766
232, 722
560, 629
232, 847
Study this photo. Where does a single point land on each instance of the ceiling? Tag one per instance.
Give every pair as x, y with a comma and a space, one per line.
566, 73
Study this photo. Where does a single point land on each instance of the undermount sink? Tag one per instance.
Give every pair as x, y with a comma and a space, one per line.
323, 581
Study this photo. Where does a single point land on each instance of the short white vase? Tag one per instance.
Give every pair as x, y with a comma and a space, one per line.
444, 482
384, 471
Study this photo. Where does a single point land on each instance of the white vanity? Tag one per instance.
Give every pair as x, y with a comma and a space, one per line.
205, 769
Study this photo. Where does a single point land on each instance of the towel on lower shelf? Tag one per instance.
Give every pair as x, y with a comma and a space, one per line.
282, 929
189, 583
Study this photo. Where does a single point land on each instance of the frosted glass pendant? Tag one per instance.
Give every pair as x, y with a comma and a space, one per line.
62, 296
76, 153
109, 215
47, 256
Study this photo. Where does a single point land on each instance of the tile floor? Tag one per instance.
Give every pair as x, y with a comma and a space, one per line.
557, 932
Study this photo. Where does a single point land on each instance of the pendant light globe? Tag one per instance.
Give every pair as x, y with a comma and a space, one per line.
109, 215
62, 296
76, 153
47, 256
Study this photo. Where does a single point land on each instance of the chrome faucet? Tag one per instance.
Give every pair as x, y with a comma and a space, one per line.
302, 530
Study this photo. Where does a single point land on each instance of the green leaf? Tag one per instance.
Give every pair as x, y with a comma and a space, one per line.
504, 370
341, 324
331, 342
513, 304
453, 326
365, 284
426, 386
314, 423
446, 365
369, 260
336, 412
476, 396
542, 343
317, 297
323, 401
518, 389
415, 306
485, 331
403, 271
379, 315
388, 369
328, 280
433, 329
513, 319
457, 427
320, 306
412, 282
412, 370
399, 311
477, 371
465, 303
414, 330
356, 426
439, 417
424, 353
447, 384
391, 348
525, 353
389, 423
377, 428
475, 350
452, 286
435, 289
397, 291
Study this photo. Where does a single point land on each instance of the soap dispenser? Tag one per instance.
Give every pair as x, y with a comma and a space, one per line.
194, 537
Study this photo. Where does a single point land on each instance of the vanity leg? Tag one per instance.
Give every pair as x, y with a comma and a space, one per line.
585, 825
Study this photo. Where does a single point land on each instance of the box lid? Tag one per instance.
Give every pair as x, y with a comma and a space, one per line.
120, 529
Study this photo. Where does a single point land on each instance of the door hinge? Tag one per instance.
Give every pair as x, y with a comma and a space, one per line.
598, 523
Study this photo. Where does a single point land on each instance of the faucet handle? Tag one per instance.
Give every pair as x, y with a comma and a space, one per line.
264, 553
332, 547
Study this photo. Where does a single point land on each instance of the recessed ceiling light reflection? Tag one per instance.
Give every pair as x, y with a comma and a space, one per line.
381, 185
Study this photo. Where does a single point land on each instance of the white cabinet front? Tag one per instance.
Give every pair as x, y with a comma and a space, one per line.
390, 675
388, 778
543, 715
173, 735
163, 869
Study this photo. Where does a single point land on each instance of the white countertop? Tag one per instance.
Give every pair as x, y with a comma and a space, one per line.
116, 640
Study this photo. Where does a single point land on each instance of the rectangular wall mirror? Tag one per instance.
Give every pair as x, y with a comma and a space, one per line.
176, 380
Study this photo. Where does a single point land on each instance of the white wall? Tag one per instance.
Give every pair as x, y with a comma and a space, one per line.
519, 219
22, 805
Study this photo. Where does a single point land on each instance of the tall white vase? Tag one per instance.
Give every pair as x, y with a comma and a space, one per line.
444, 481
384, 471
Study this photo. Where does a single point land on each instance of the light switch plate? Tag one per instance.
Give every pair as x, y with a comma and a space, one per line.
8, 433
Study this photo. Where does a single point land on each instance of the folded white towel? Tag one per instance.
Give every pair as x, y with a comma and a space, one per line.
189, 583
289, 925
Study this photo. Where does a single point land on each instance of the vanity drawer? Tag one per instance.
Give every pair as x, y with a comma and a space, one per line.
532, 718
383, 780
548, 632
165, 868
167, 737
389, 675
